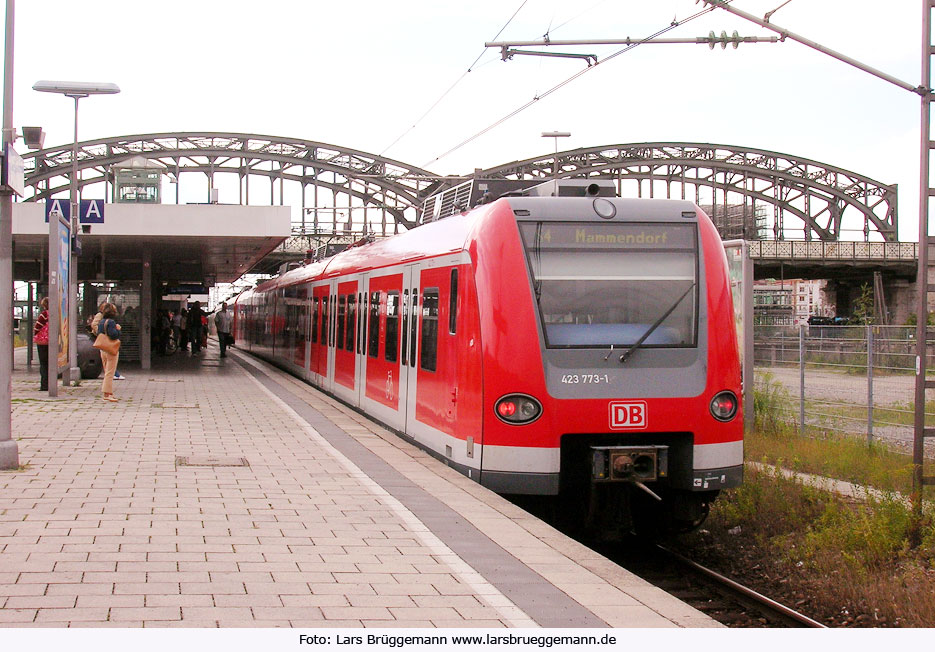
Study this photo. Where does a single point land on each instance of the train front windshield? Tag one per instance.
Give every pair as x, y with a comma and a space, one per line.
599, 285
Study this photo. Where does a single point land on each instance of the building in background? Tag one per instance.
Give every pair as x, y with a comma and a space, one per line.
790, 302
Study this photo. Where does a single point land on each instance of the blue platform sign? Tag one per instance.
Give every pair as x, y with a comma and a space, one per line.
91, 211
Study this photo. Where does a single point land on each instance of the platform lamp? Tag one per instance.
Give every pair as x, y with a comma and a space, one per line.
556, 135
76, 91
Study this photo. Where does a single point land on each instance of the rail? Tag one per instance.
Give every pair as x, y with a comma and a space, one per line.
772, 609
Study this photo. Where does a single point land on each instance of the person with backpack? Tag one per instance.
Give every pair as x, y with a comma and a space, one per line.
94, 326
109, 332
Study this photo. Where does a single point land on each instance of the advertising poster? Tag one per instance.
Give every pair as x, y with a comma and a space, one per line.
64, 259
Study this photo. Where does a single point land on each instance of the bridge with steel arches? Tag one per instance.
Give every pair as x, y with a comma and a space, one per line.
750, 193
328, 181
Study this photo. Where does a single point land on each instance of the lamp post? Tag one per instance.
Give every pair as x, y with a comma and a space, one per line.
76, 91
9, 451
556, 135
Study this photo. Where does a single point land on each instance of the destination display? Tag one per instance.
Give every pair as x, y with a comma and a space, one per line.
575, 235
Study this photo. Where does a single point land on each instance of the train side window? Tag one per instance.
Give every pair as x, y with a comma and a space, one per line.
342, 320
404, 354
315, 311
325, 317
362, 323
428, 358
334, 318
453, 303
374, 336
351, 322
413, 325
392, 326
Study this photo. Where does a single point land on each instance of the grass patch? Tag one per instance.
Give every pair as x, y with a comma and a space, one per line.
841, 561
834, 456
823, 452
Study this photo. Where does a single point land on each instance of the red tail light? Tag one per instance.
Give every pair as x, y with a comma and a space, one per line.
506, 408
518, 409
724, 406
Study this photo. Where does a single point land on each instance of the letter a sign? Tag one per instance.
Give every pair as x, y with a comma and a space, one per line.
91, 211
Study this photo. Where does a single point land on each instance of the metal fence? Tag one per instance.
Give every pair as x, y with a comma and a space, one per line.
849, 379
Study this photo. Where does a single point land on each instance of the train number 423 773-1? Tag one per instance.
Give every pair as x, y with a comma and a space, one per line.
593, 379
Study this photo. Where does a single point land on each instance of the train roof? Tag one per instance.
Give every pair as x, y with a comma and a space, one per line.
453, 234
450, 235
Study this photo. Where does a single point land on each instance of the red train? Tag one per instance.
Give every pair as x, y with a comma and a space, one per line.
581, 347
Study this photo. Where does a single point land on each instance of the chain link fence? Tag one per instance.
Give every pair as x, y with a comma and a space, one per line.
858, 380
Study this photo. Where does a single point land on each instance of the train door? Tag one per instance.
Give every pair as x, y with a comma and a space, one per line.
381, 394
409, 346
318, 358
332, 320
363, 310
345, 340
294, 331
308, 304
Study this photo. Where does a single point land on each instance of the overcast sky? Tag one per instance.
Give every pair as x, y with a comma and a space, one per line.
360, 73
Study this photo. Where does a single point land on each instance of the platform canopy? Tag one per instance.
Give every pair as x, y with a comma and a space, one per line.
197, 243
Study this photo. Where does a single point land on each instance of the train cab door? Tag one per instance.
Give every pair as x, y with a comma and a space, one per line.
435, 366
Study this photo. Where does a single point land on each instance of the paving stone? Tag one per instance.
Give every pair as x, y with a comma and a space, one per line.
108, 530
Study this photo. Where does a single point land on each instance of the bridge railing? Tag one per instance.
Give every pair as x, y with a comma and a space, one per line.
826, 250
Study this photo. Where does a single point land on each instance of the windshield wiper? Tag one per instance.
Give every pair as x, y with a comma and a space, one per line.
651, 329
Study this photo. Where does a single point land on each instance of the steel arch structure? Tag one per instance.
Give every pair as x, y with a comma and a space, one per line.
367, 181
750, 193
809, 200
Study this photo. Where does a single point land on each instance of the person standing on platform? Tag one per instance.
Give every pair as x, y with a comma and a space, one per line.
183, 325
96, 322
195, 314
111, 328
40, 336
177, 328
222, 321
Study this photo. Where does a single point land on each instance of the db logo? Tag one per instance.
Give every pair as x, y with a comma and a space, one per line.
627, 415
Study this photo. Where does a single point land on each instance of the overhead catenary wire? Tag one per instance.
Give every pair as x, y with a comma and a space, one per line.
562, 84
452, 87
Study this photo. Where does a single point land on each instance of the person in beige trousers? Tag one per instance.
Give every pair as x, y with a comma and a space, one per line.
112, 329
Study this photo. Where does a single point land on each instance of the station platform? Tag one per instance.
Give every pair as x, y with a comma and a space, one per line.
226, 493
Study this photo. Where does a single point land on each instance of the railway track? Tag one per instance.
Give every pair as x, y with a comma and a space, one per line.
774, 612
725, 600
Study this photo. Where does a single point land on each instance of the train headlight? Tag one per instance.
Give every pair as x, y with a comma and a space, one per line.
518, 409
724, 406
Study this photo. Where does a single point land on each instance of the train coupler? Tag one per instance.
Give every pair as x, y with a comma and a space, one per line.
635, 464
